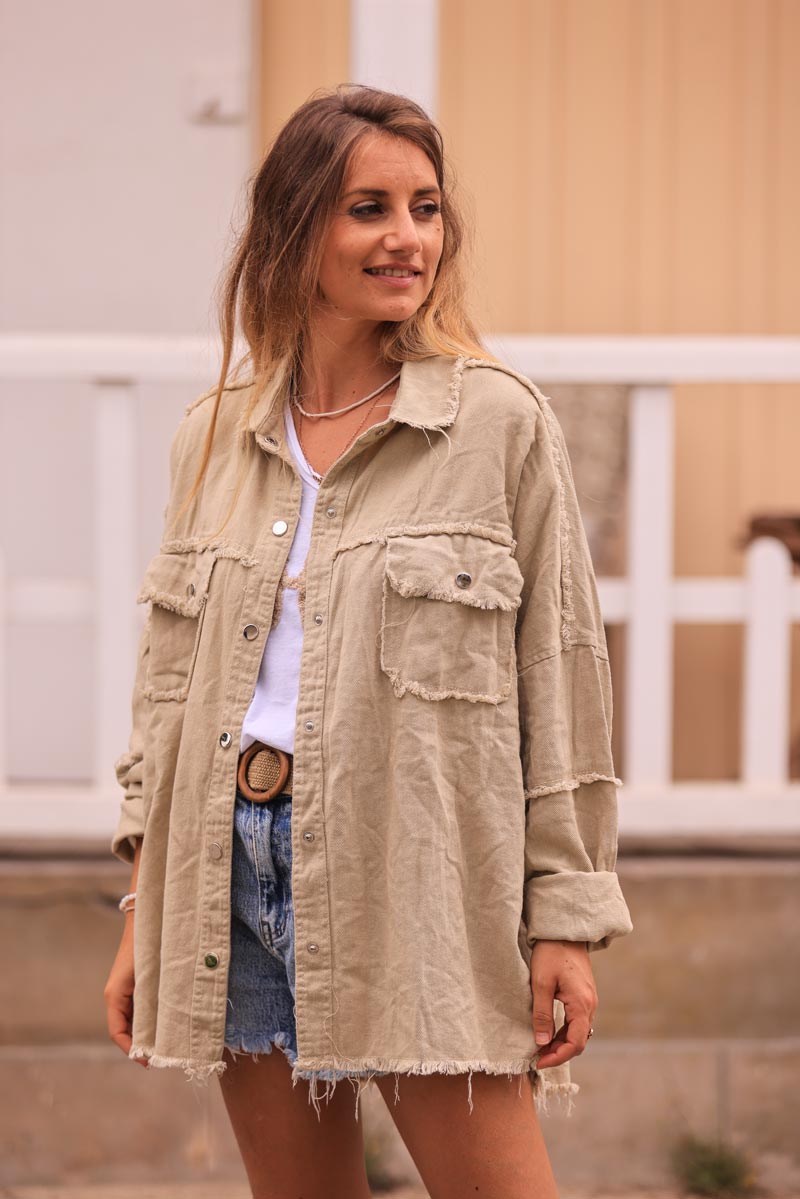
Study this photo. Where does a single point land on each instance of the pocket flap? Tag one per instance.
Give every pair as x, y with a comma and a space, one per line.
461, 567
178, 582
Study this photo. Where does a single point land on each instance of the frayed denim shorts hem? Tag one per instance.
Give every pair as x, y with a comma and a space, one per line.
260, 1012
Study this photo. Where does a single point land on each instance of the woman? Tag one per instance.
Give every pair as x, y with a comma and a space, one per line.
401, 874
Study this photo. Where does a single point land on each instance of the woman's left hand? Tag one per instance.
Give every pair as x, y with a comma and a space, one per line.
561, 970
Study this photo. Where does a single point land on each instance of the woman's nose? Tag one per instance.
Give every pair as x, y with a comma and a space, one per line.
403, 234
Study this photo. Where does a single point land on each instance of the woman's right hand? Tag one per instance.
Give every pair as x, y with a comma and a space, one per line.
118, 993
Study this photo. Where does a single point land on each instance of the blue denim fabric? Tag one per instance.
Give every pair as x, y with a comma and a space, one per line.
261, 1008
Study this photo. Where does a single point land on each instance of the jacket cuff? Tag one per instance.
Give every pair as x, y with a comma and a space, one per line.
128, 769
129, 827
576, 906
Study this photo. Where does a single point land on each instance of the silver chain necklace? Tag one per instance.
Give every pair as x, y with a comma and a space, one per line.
338, 411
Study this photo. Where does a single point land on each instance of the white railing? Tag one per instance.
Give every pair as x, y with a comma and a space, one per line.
648, 600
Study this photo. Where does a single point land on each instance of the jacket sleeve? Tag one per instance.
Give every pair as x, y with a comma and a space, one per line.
572, 891
129, 767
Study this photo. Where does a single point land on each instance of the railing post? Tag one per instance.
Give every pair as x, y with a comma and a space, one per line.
397, 47
648, 654
767, 663
3, 674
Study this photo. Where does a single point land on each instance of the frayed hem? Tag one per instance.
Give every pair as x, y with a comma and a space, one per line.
195, 1071
544, 1090
361, 1075
571, 784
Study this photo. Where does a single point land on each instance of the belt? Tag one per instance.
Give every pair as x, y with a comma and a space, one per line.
264, 772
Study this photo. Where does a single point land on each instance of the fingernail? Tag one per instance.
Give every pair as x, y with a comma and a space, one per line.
542, 1038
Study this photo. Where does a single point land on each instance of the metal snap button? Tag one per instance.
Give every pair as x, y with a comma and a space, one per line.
309, 725
250, 631
211, 960
215, 851
317, 618
312, 947
463, 579
190, 590
330, 511
308, 836
279, 528
225, 740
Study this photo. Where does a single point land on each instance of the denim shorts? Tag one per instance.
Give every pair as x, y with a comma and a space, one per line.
261, 1007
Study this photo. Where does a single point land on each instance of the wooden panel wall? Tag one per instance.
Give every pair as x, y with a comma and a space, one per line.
632, 166
305, 45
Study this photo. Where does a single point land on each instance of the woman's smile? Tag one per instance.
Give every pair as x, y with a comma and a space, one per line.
393, 277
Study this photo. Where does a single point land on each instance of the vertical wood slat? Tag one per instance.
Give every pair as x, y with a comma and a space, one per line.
114, 549
648, 657
767, 664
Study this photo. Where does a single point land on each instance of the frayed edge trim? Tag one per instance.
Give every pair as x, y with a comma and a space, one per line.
571, 784
452, 403
172, 602
195, 1071
543, 1088
568, 610
431, 588
155, 693
500, 536
220, 549
400, 686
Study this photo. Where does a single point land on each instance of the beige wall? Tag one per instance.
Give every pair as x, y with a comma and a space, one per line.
304, 46
633, 166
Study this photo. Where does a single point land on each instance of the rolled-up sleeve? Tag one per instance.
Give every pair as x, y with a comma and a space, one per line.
572, 891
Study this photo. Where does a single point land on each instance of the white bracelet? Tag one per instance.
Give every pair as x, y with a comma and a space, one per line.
126, 904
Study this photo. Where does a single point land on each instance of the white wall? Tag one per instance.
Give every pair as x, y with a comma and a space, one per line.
127, 132
115, 200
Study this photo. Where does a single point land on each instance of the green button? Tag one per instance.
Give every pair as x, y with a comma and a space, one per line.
211, 960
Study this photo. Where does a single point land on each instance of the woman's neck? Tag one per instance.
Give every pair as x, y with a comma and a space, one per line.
338, 371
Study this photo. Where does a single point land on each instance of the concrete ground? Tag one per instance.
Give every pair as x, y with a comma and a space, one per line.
216, 1191
231, 1191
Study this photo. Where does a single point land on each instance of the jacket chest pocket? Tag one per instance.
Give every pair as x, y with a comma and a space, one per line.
177, 587
449, 615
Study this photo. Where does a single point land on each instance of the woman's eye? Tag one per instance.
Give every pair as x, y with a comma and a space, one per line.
429, 209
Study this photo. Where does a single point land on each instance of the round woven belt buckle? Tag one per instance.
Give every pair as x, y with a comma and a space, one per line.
261, 796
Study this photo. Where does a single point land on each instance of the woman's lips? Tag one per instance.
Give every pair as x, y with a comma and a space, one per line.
401, 281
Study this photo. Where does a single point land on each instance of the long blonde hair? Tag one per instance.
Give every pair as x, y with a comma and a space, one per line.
270, 281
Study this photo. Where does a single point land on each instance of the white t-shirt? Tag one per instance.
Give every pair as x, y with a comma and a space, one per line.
271, 715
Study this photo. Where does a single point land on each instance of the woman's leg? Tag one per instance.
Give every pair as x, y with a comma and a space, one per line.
287, 1150
495, 1151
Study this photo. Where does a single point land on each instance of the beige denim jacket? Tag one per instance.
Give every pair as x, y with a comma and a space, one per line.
454, 795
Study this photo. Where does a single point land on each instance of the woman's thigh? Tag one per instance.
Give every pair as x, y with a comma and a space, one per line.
289, 1147
286, 1148
496, 1151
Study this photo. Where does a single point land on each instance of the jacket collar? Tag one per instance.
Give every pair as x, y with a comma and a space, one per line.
427, 396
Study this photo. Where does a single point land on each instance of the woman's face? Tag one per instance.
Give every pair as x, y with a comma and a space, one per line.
388, 218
